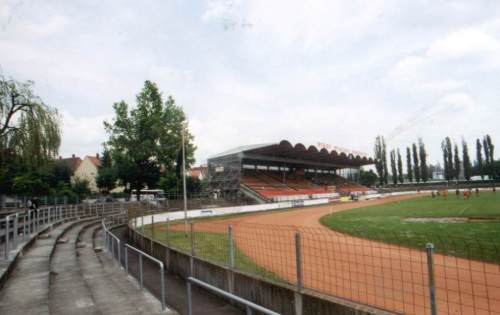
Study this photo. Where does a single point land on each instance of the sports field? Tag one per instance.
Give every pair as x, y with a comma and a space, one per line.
465, 227
389, 275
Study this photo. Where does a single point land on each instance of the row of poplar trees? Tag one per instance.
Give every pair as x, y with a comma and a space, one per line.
416, 163
453, 164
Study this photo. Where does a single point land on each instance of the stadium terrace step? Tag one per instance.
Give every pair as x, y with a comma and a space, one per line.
112, 291
68, 292
27, 289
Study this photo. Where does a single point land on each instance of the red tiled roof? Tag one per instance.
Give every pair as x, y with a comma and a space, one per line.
72, 163
94, 160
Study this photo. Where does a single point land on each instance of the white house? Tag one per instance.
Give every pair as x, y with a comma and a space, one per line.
88, 170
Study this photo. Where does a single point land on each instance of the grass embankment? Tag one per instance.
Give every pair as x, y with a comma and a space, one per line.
210, 246
478, 238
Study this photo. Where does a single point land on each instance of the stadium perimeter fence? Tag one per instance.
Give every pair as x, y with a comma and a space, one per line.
447, 276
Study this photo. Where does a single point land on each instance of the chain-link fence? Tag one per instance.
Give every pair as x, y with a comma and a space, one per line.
401, 276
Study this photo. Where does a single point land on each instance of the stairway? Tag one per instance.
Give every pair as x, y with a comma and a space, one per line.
62, 274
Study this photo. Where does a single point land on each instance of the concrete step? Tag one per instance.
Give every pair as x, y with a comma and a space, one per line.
26, 291
113, 291
69, 293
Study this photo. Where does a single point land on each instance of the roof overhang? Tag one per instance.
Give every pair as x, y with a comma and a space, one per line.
285, 152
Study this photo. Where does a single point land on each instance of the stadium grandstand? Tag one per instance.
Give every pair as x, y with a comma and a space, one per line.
283, 172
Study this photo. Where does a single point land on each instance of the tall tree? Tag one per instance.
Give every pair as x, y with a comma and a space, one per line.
147, 138
379, 159
491, 149
479, 159
384, 158
446, 146
29, 129
30, 137
106, 174
456, 166
424, 170
400, 167
394, 171
416, 164
409, 168
486, 149
466, 160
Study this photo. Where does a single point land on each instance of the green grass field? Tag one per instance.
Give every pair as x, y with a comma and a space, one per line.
392, 222
213, 247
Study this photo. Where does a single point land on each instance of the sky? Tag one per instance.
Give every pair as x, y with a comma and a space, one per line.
247, 72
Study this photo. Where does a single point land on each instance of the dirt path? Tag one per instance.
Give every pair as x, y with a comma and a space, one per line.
370, 272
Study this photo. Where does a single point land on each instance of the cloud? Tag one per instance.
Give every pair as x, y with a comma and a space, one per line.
331, 71
82, 135
465, 43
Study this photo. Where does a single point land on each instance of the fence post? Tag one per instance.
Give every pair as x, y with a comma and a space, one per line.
153, 225
190, 302
162, 275
142, 222
16, 229
191, 260
126, 260
231, 246
167, 230
29, 222
7, 248
25, 221
191, 236
119, 254
298, 264
140, 269
298, 260
430, 269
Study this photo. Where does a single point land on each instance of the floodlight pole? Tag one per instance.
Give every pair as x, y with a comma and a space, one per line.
184, 177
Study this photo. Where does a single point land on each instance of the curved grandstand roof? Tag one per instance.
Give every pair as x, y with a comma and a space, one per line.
284, 149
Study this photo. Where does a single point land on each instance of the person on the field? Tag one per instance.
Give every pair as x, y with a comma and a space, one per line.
477, 192
457, 192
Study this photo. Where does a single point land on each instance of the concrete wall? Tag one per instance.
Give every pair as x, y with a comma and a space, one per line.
280, 297
177, 215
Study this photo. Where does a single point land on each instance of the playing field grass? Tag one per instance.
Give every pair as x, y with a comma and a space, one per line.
209, 246
474, 233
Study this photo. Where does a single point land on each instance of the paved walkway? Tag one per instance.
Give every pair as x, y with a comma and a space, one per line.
112, 291
27, 289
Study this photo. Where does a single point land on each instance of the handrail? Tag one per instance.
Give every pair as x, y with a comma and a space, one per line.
159, 262
108, 232
249, 305
20, 226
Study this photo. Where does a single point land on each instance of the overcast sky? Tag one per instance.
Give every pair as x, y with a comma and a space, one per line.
245, 72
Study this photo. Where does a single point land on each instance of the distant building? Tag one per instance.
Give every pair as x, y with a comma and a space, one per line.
72, 163
199, 172
87, 169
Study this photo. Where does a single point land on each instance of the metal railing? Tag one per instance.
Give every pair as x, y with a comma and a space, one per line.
249, 305
110, 240
112, 245
141, 281
21, 226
